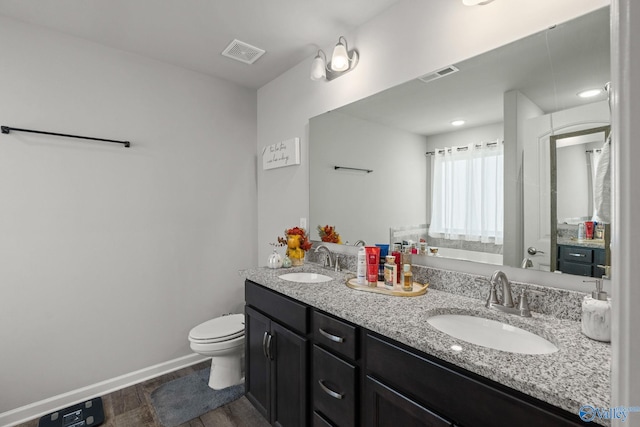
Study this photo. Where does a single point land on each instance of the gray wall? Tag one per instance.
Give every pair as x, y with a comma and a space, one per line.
109, 254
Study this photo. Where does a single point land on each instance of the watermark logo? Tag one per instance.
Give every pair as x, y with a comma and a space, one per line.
590, 413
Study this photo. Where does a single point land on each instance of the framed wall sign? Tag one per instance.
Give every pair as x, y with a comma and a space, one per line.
281, 154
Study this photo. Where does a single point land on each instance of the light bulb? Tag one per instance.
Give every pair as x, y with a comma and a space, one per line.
339, 59
318, 68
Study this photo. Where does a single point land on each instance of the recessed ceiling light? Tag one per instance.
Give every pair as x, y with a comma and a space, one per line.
457, 122
589, 93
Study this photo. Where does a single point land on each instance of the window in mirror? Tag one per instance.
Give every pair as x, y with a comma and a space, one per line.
467, 196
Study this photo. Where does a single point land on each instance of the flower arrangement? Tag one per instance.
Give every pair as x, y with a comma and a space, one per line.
297, 243
329, 234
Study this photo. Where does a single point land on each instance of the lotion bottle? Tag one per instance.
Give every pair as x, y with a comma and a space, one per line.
362, 266
596, 314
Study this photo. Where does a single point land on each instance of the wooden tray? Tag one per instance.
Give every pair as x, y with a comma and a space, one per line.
418, 289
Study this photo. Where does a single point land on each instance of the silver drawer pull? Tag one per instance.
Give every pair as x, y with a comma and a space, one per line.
332, 337
330, 392
264, 344
578, 255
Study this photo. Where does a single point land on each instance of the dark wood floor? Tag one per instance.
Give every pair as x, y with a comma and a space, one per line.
131, 407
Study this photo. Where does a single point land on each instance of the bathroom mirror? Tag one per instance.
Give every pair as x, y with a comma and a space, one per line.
581, 197
383, 178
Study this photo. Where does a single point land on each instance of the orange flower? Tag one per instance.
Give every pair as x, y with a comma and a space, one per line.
328, 234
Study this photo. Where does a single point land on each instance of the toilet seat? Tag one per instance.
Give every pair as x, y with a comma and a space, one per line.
220, 329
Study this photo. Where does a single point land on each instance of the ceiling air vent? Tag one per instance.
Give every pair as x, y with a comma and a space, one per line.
243, 52
438, 74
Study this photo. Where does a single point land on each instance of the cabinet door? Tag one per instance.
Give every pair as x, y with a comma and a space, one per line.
385, 407
289, 373
258, 366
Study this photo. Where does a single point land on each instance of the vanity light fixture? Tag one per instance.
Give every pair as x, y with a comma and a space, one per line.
590, 93
458, 122
342, 61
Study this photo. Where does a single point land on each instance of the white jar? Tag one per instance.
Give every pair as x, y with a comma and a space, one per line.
596, 318
275, 260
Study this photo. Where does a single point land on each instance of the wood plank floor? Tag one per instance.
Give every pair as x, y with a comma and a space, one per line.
131, 407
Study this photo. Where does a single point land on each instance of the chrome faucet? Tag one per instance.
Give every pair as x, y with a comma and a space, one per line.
507, 297
507, 305
327, 258
360, 243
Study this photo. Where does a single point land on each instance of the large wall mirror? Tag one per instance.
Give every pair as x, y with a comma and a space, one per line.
389, 167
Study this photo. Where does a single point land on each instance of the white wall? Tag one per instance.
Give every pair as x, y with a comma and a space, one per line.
364, 205
625, 128
109, 255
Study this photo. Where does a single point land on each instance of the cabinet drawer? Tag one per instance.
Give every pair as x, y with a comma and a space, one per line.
334, 388
386, 407
337, 335
279, 307
320, 421
573, 254
460, 397
576, 268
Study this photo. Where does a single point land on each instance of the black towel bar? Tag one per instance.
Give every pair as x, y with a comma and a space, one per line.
7, 129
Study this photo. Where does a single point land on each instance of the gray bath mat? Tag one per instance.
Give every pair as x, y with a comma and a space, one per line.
183, 399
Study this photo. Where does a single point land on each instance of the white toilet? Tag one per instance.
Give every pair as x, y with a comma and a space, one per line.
222, 339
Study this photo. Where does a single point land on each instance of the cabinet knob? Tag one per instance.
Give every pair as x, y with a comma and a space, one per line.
330, 392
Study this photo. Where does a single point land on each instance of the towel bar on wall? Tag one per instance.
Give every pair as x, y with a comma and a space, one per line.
353, 169
7, 129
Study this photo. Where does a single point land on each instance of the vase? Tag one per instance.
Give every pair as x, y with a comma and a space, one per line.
286, 262
275, 260
297, 262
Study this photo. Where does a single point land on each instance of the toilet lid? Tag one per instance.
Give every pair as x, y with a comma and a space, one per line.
225, 327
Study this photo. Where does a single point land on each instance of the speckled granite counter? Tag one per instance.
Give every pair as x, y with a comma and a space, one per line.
578, 374
585, 243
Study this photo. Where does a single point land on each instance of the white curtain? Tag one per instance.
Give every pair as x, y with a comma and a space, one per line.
467, 198
602, 185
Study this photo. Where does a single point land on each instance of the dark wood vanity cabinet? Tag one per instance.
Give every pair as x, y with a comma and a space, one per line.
309, 368
276, 356
581, 261
335, 372
425, 391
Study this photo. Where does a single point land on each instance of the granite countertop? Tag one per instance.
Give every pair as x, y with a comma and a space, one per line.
586, 243
577, 374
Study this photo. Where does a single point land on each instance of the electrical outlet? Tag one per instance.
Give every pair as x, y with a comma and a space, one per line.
303, 223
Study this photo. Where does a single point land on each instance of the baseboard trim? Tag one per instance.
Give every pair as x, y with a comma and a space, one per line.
43, 407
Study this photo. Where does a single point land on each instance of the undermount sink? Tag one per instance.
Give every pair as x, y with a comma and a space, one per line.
491, 334
304, 277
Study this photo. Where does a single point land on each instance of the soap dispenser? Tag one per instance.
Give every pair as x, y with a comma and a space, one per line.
596, 314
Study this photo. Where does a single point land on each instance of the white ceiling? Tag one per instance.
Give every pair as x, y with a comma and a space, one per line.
193, 33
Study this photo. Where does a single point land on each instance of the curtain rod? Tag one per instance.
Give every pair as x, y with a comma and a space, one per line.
7, 129
431, 153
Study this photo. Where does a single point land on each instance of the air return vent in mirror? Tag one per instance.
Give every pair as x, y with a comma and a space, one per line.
243, 52
438, 74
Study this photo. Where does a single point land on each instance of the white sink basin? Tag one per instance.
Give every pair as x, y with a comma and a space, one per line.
492, 334
305, 277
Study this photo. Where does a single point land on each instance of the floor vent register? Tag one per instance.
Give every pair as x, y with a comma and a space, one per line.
85, 414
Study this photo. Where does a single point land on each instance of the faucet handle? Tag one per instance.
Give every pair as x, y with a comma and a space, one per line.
523, 305
493, 296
